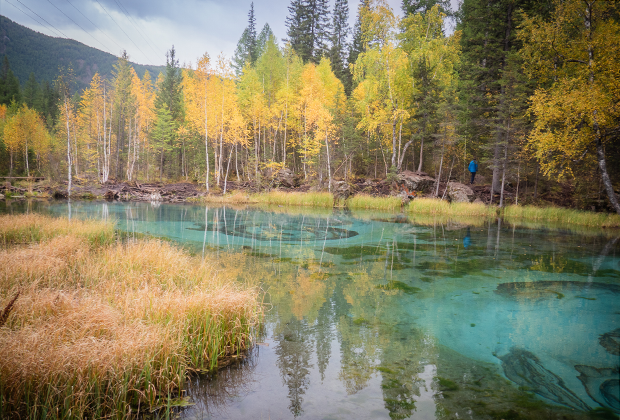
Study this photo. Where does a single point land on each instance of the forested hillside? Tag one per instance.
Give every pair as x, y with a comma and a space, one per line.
531, 89
30, 51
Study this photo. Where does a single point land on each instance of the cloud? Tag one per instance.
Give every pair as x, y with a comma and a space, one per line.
146, 29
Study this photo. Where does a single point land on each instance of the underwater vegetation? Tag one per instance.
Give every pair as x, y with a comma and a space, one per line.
525, 369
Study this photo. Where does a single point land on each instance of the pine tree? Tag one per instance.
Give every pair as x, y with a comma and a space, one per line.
242, 53
261, 42
170, 98
9, 84
319, 10
308, 29
32, 94
422, 6
252, 46
356, 47
248, 49
489, 39
298, 29
340, 33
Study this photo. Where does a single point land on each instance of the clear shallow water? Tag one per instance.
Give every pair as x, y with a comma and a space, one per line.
376, 316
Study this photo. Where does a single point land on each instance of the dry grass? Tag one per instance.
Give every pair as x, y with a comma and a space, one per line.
562, 216
314, 199
110, 330
435, 206
35, 228
363, 201
234, 197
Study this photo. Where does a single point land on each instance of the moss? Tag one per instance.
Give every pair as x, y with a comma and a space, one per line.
385, 370
360, 321
399, 285
447, 384
603, 413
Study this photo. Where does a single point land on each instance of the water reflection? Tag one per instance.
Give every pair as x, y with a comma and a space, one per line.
373, 316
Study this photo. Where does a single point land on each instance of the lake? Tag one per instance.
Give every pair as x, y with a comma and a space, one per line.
372, 315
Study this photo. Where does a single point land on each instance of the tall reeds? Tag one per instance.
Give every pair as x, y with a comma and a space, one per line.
562, 216
109, 330
314, 199
441, 207
363, 201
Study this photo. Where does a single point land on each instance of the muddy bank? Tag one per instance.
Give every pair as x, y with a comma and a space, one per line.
187, 191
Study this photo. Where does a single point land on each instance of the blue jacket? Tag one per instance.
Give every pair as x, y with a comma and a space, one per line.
473, 166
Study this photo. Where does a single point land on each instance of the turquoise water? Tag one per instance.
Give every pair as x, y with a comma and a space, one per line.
379, 316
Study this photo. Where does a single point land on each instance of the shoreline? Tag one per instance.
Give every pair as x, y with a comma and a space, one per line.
384, 199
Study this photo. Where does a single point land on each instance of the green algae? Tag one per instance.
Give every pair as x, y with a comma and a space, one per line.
399, 285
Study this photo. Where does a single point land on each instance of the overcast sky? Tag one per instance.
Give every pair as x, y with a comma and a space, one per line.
148, 28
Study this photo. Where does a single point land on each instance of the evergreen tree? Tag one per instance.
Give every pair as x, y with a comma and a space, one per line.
308, 29
170, 98
242, 52
50, 103
32, 95
122, 102
298, 27
248, 46
252, 47
9, 84
422, 6
265, 35
488, 42
356, 47
319, 10
170, 92
340, 33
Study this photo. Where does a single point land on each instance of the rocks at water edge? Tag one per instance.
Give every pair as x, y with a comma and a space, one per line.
341, 190
415, 181
285, 178
460, 193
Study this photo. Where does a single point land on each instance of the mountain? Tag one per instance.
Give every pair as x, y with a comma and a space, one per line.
30, 51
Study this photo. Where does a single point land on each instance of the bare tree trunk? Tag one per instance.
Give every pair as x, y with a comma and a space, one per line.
439, 177
421, 154
329, 170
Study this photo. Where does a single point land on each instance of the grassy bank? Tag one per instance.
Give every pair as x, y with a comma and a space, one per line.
431, 206
312, 199
562, 215
108, 329
427, 207
363, 201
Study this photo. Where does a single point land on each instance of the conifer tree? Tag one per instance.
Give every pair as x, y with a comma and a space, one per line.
9, 84
32, 95
340, 33
297, 29
261, 42
488, 41
308, 28
422, 6
248, 46
356, 47
252, 50
170, 97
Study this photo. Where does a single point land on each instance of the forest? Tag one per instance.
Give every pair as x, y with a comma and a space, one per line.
530, 89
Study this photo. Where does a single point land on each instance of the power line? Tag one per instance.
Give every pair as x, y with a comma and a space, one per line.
57, 8
92, 23
144, 36
57, 30
104, 9
35, 19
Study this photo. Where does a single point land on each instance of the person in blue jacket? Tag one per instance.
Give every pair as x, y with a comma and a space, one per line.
473, 168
